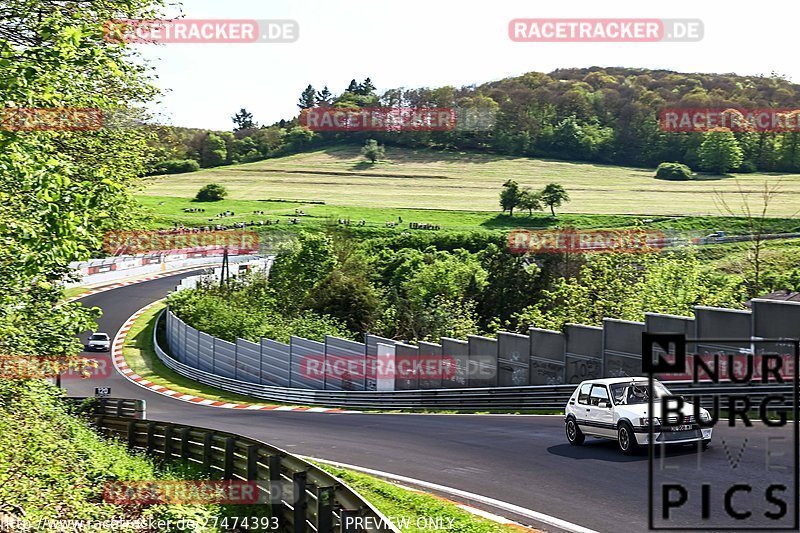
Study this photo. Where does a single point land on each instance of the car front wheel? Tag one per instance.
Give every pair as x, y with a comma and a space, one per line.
626, 439
574, 434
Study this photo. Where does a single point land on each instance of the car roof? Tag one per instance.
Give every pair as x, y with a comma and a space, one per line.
611, 381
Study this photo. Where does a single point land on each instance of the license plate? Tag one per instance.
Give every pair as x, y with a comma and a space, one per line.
680, 428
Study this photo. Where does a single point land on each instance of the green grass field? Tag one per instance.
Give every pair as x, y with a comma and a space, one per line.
451, 181
168, 212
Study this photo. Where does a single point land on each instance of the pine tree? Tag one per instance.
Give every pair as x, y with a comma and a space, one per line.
308, 99
366, 88
324, 96
243, 120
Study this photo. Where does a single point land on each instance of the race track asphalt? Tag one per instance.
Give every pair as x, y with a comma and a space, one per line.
523, 460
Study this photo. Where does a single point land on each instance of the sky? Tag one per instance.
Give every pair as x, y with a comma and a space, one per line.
431, 43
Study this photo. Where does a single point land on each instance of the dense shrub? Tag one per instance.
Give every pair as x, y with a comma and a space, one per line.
249, 309
673, 171
53, 466
626, 286
747, 167
327, 284
212, 192
177, 166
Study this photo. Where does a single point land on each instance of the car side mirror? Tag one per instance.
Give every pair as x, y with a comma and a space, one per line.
604, 404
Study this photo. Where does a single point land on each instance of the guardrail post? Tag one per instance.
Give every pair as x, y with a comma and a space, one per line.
276, 489
151, 441
185, 444
131, 434
300, 501
208, 452
348, 524
261, 360
102, 405
230, 447
236, 361
325, 510
197, 348
120, 408
168, 431
252, 462
291, 356
184, 355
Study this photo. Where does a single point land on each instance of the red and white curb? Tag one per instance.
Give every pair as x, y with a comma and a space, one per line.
133, 282
122, 367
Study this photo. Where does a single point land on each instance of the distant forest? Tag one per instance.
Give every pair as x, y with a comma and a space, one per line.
604, 115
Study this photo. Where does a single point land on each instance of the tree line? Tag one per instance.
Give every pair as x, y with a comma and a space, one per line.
447, 284
605, 115
512, 196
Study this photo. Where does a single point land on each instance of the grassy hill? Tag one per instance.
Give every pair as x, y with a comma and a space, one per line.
466, 182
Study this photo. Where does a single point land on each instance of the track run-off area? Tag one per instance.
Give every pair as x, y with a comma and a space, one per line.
518, 466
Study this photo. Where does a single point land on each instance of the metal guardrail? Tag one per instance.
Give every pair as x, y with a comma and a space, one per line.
129, 408
302, 496
531, 397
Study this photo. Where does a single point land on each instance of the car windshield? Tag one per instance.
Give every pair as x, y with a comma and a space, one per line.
99, 337
636, 392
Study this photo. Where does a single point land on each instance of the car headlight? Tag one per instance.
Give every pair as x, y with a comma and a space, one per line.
704, 416
646, 421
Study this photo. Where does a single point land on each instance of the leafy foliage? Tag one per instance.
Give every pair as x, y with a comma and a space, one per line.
373, 151
213, 192
720, 152
177, 166
553, 195
625, 286
605, 115
37, 427
673, 171
510, 196
213, 151
60, 190
249, 309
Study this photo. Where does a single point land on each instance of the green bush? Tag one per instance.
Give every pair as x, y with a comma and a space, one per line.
53, 466
212, 192
249, 309
747, 167
177, 166
674, 171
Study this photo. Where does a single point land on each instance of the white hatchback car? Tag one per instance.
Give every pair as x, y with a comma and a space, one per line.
616, 408
99, 342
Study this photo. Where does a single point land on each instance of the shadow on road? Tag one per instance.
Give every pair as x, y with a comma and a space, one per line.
607, 450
